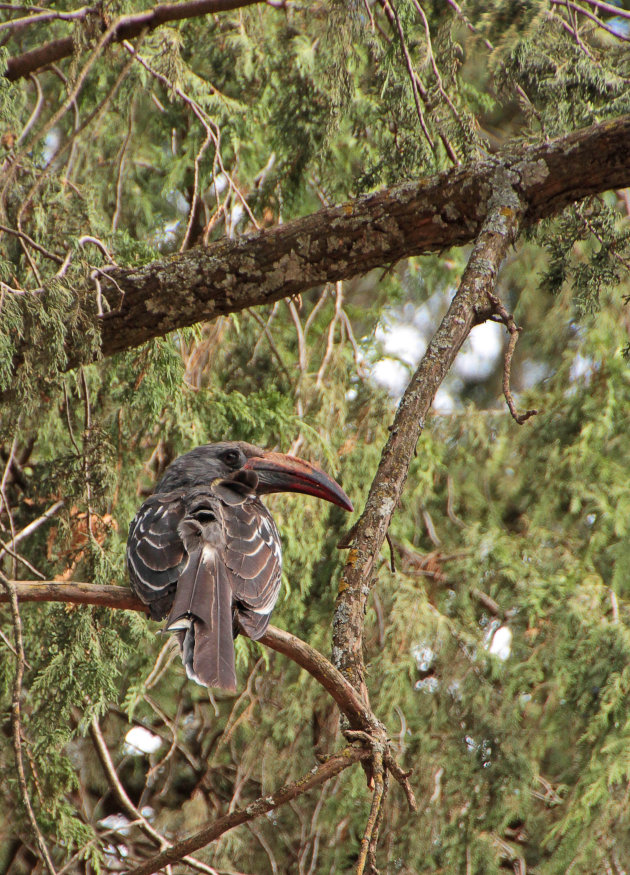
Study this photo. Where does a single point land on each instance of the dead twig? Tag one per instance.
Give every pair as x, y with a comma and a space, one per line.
370, 834
508, 320
371, 857
390, 11
392, 555
35, 524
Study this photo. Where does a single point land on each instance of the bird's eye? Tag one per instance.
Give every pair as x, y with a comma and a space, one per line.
231, 458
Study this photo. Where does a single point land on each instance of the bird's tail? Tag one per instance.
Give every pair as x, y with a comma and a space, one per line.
201, 617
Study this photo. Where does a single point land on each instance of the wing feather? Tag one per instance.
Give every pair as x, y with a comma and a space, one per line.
155, 552
253, 557
209, 557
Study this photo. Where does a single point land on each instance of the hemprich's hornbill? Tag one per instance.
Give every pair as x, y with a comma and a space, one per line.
205, 550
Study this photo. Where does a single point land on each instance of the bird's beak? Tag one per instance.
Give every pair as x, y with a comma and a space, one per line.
279, 473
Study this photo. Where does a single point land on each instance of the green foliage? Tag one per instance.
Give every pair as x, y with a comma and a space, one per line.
598, 264
520, 757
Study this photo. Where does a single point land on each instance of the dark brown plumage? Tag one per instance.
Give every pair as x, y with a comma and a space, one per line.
205, 550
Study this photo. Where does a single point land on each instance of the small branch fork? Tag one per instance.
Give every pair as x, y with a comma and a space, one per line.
264, 804
502, 315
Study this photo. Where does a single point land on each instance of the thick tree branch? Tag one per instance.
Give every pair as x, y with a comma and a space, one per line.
340, 242
335, 764
128, 27
470, 306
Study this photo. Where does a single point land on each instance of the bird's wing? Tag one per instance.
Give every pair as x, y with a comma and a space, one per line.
253, 558
155, 551
209, 557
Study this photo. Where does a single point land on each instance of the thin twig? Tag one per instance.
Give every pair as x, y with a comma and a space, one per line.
378, 796
121, 794
319, 381
195, 192
68, 420
272, 344
508, 320
211, 128
263, 805
371, 857
392, 555
35, 524
122, 156
392, 14
87, 430
4, 548
16, 721
599, 23
35, 113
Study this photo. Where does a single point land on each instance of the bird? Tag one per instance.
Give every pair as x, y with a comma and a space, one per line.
204, 551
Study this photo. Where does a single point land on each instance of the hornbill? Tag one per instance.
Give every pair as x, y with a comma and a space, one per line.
205, 550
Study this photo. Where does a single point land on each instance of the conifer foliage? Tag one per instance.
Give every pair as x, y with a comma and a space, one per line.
223, 219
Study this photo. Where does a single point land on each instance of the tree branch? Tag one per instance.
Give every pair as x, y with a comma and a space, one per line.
125, 802
121, 598
350, 703
128, 27
344, 241
507, 319
470, 306
335, 764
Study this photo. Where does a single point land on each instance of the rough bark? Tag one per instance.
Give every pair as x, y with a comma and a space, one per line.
344, 241
472, 304
129, 27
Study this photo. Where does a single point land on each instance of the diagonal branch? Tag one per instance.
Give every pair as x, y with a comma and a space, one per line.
128, 27
119, 597
335, 764
470, 306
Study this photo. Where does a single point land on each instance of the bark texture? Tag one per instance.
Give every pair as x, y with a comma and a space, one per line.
345, 241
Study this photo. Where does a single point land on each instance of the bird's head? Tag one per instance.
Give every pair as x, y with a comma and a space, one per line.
275, 472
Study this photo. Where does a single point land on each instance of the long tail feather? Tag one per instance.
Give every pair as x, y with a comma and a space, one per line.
201, 617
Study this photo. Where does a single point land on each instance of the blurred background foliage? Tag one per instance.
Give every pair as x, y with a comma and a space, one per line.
499, 648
